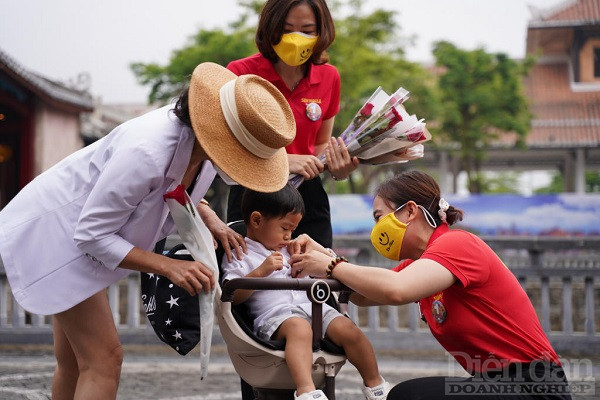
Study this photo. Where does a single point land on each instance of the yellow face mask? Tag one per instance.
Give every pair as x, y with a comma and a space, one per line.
295, 48
387, 235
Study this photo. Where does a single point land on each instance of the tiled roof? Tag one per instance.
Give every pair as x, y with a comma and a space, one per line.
561, 116
44, 87
568, 13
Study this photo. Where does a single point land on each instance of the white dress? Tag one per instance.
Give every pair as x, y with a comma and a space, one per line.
63, 236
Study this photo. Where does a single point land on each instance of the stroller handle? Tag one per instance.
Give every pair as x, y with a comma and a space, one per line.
306, 284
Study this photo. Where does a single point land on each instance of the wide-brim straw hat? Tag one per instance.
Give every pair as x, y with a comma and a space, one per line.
246, 141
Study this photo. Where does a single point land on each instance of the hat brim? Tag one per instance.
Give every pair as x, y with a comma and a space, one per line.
219, 143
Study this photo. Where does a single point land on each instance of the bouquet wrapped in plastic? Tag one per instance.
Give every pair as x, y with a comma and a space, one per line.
383, 132
199, 242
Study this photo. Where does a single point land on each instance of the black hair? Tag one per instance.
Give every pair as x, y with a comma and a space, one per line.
271, 25
182, 109
272, 205
420, 188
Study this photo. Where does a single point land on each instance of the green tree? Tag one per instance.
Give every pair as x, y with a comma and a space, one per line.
482, 95
557, 183
503, 182
367, 52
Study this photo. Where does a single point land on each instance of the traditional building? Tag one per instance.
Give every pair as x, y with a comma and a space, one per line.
564, 92
39, 124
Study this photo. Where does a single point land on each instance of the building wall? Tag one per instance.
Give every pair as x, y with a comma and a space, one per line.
57, 134
586, 61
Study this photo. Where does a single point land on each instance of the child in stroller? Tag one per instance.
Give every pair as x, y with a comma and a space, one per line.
285, 315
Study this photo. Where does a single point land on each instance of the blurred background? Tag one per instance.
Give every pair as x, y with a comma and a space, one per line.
510, 91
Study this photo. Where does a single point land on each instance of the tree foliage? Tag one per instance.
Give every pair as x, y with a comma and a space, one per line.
482, 95
557, 183
367, 51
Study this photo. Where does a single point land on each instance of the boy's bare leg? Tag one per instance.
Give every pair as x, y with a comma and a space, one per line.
297, 333
343, 332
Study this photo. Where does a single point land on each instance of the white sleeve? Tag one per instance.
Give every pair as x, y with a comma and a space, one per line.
236, 268
124, 181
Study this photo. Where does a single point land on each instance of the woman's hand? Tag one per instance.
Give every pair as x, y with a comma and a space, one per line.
308, 166
311, 263
303, 244
228, 237
193, 276
339, 162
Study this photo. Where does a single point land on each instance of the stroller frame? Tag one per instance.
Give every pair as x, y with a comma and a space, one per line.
261, 364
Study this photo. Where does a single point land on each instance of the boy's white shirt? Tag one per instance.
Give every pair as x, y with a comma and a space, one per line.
264, 304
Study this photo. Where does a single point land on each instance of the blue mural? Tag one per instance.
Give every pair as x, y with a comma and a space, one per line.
545, 215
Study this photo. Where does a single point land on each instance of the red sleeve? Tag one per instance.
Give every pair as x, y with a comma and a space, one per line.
334, 105
237, 67
463, 254
402, 265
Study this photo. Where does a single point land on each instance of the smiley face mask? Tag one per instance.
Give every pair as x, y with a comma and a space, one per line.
295, 48
387, 235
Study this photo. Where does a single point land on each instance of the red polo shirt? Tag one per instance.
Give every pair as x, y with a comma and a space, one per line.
321, 86
485, 320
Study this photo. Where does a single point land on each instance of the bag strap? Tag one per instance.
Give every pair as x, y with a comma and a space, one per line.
175, 249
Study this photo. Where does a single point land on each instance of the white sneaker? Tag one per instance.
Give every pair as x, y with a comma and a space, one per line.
315, 394
378, 392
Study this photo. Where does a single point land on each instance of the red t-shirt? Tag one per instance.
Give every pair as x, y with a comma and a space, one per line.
485, 320
321, 86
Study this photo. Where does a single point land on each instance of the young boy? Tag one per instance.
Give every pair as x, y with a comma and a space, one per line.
270, 220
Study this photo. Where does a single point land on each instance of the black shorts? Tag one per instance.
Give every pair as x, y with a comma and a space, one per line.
538, 380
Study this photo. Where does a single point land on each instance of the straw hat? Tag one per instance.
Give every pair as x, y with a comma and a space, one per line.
243, 124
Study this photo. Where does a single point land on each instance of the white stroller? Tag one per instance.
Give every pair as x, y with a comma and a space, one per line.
261, 364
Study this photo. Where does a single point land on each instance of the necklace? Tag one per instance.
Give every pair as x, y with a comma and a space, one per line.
295, 85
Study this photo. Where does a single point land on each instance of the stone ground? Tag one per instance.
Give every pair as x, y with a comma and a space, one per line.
157, 372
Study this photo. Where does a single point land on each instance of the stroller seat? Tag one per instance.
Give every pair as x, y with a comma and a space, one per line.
261, 363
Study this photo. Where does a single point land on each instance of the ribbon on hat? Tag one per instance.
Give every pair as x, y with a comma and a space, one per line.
243, 135
443, 204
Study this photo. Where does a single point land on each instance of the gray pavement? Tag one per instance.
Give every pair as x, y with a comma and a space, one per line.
157, 372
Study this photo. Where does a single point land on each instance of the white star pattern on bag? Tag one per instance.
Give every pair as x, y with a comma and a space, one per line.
168, 321
177, 335
173, 302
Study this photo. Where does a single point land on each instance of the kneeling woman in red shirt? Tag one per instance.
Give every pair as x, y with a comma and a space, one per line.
473, 304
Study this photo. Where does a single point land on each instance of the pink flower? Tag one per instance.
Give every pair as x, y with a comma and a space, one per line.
416, 136
177, 194
367, 109
395, 119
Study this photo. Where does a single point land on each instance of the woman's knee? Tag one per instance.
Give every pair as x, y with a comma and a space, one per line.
105, 362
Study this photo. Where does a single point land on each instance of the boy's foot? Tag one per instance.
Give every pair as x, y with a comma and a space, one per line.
378, 392
315, 394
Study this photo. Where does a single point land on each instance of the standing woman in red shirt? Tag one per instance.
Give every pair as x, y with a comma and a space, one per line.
292, 37
472, 303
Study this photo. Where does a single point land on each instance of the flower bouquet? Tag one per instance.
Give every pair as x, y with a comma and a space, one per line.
382, 132
199, 242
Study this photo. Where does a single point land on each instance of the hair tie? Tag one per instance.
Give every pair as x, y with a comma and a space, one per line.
443, 204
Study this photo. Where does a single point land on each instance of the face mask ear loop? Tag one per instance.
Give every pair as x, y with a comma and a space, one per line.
428, 217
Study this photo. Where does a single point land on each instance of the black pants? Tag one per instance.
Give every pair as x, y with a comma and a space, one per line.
536, 381
316, 221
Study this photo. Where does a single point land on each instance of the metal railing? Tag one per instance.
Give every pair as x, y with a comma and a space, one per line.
560, 275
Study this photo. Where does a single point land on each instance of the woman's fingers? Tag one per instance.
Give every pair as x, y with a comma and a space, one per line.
193, 276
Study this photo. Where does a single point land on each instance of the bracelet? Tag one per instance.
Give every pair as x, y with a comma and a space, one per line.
335, 178
334, 263
205, 202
